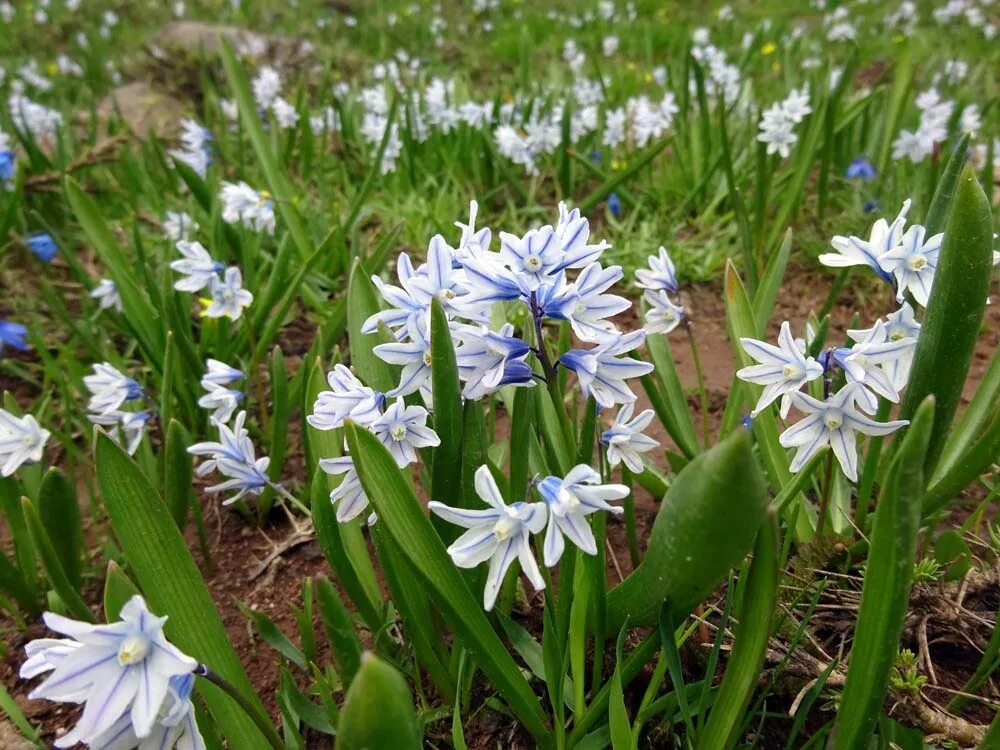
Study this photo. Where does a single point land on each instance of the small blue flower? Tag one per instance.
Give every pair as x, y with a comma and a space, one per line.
861, 169
8, 166
871, 206
13, 335
43, 246
615, 205
595, 156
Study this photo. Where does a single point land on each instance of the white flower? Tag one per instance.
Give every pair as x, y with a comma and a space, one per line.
219, 373
913, 263
285, 114
349, 496
783, 369
659, 275
415, 358
570, 501
266, 86
233, 456
22, 442
402, 429
109, 389
609, 45
602, 374
832, 422
241, 204
873, 361
198, 267
223, 401
489, 360
123, 668
130, 425
348, 398
662, 315
106, 294
898, 326
176, 727
500, 534
229, 298
179, 226
854, 251
625, 441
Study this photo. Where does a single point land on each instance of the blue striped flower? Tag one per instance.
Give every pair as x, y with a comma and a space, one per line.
42, 245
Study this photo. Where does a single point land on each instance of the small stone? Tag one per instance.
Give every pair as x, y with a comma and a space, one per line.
143, 109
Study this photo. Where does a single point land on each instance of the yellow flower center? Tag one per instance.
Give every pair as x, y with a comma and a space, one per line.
917, 263
133, 650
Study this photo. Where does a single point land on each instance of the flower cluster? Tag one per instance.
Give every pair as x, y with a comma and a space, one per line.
110, 390
660, 281
234, 457
502, 533
241, 204
196, 147
201, 270
778, 122
135, 686
219, 397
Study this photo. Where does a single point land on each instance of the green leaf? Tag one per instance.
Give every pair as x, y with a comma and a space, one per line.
670, 403
378, 710
362, 303
14, 585
52, 564
977, 459
954, 311
118, 589
409, 528
9, 707
178, 473
755, 617
277, 180
706, 524
344, 641
60, 514
139, 311
621, 727
886, 592
446, 473
170, 580
273, 637
770, 283
947, 184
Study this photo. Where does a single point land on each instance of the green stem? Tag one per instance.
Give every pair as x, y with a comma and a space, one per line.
827, 487
629, 506
259, 718
702, 390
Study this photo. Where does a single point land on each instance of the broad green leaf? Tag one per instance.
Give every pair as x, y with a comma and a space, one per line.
178, 473
669, 401
954, 311
52, 564
706, 524
977, 459
339, 627
770, 284
755, 616
886, 592
409, 528
14, 585
173, 586
378, 710
446, 472
60, 514
362, 303
273, 637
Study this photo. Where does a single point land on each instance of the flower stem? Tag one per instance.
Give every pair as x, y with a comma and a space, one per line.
702, 390
630, 530
259, 718
286, 495
827, 487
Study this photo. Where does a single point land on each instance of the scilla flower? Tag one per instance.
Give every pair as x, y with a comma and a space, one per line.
625, 441
106, 294
854, 251
229, 298
219, 373
832, 422
121, 669
349, 496
659, 275
223, 401
500, 534
783, 369
489, 360
241, 204
109, 389
13, 335
175, 727
43, 246
233, 456
602, 373
402, 429
129, 426
348, 398
898, 326
22, 442
662, 315
861, 169
868, 362
199, 268
913, 263
570, 501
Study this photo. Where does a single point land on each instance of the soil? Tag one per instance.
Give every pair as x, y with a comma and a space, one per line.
236, 547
